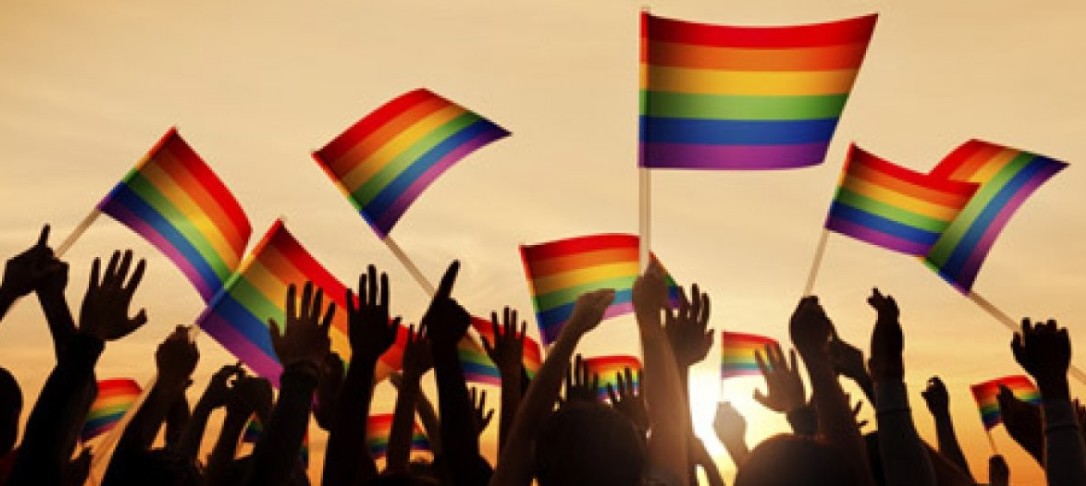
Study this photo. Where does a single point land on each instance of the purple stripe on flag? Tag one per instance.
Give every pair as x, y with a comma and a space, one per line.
728, 157
143, 228
878, 238
238, 344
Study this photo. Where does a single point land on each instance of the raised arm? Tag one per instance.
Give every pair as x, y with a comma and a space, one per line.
507, 353
24, 272
938, 400
250, 396
216, 395
690, 338
784, 389
416, 362
1044, 351
372, 332
1023, 423
731, 429
515, 465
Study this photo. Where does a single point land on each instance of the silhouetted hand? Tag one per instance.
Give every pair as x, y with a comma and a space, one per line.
1044, 351
588, 311
784, 387
856, 411
650, 294
848, 360
446, 320
75, 473
937, 398
305, 336
687, 328
372, 332
507, 350
627, 400
24, 272
176, 357
1023, 422
887, 340
481, 417
810, 329
729, 424
333, 371
105, 306
221, 385
417, 359
581, 384
999, 474
251, 395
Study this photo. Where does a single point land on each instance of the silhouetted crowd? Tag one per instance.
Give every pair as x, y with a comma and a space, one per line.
638, 435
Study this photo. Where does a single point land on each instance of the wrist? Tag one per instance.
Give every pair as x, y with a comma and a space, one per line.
1054, 388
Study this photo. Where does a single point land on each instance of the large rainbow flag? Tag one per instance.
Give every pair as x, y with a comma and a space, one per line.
985, 394
378, 430
737, 353
560, 271
384, 161
1006, 177
174, 200
531, 355
727, 97
238, 317
893, 207
114, 398
608, 368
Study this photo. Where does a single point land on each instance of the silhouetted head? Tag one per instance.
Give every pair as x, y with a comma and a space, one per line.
792, 460
589, 444
11, 406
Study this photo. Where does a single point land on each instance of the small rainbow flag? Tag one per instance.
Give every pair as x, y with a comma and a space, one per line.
893, 207
114, 399
238, 317
985, 394
385, 161
173, 200
254, 429
737, 353
608, 368
532, 356
378, 429
726, 97
1006, 177
560, 271
477, 366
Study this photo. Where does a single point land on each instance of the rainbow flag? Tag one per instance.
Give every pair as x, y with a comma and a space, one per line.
477, 366
114, 399
608, 368
378, 429
385, 161
254, 429
737, 353
531, 356
1006, 177
726, 97
560, 271
985, 394
893, 207
238, 317
174, 201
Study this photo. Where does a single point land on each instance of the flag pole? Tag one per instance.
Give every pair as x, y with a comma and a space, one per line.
1076, 372
813, 274
409, 265
76, 233
645, 226
988, 432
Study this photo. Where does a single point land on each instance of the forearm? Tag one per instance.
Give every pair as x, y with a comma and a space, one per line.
669, 419
1065, 453
702, 457
515, 463
949, 446
347, 459
403, 421
59, 317
430, 422
277, 451
6, 301
461, 444
905, 461
54, 422
143, 428
510, 401
835, 421
189, 444
226, 447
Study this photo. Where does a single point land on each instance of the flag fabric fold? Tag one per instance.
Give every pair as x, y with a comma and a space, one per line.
115, 397
173, 200
378, 430
737, 353
726, 97
383, 162
986, 394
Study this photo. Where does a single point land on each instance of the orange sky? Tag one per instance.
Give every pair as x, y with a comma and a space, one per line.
254, 86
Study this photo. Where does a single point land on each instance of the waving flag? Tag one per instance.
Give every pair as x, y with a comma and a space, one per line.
560, 271
378, 429
174, 201
385, 161
726, 97
737, 353
1007, 177
531, 355
238, 317
893, 207
477, 366
986, 396
608, 368
114, 399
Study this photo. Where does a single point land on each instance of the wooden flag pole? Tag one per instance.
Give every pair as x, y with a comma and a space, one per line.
645, 221
988, 432
819, 252
409, 265
76, 233
1076, 372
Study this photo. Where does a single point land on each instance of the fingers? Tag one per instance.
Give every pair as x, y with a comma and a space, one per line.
306, 303
762, 399
371, 285
329, 315
111, 269
292, 304
43, 238
611, 391
445, 288
273, 331
136, 277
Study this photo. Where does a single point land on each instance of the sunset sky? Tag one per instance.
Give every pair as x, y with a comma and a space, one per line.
87, 87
